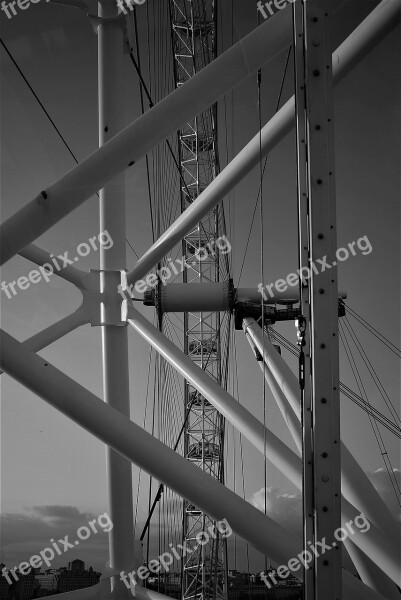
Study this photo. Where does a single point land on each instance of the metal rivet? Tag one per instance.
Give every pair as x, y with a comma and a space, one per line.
315, 19
316, 72
323, 345
324, 454
131, 163
44, 195
325, 562
106, 129
325, 478
321, 291
320, 236
323, 400
319, 181
325, 509
317, 127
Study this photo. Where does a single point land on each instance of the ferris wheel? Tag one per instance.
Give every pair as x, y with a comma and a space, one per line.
198, 307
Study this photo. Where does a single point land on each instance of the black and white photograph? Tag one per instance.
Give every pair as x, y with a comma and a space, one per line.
200, 298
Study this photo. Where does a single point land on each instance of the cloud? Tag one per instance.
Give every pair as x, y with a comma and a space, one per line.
27, 533
284, 508
61, 514
64, 512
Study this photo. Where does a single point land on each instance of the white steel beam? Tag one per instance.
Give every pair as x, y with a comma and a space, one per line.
380, 21
371, 575
112, 260
115, 430
289, 416
284, 458
56, 331
321, 401
352, 589
41, 257
140, 447
287, 412
118, 154
360, 491
304, 307
135, 141
379, 548
281, 372
356, 486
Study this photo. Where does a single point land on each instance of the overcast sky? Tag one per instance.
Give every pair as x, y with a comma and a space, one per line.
53, 473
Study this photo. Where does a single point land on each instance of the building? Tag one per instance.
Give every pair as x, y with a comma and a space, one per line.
248, 586
24, 588
4, 585
168, 584
47, 580
75, 577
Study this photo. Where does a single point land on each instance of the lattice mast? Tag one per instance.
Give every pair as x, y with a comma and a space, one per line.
194, 46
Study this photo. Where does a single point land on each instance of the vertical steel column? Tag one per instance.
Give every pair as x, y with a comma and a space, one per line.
303, 332
318, 326
114, 336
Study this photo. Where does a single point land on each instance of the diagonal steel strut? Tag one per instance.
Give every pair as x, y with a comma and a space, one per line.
124, 149
137, 139
130, 440
378, 23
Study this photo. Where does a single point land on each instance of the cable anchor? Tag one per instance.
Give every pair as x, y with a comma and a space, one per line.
300, 324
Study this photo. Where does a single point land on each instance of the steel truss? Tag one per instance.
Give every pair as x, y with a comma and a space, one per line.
194, 46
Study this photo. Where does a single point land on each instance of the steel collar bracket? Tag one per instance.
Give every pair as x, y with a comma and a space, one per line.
272, 314
103, 298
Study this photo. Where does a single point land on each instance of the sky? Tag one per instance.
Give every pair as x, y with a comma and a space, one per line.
53, 473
